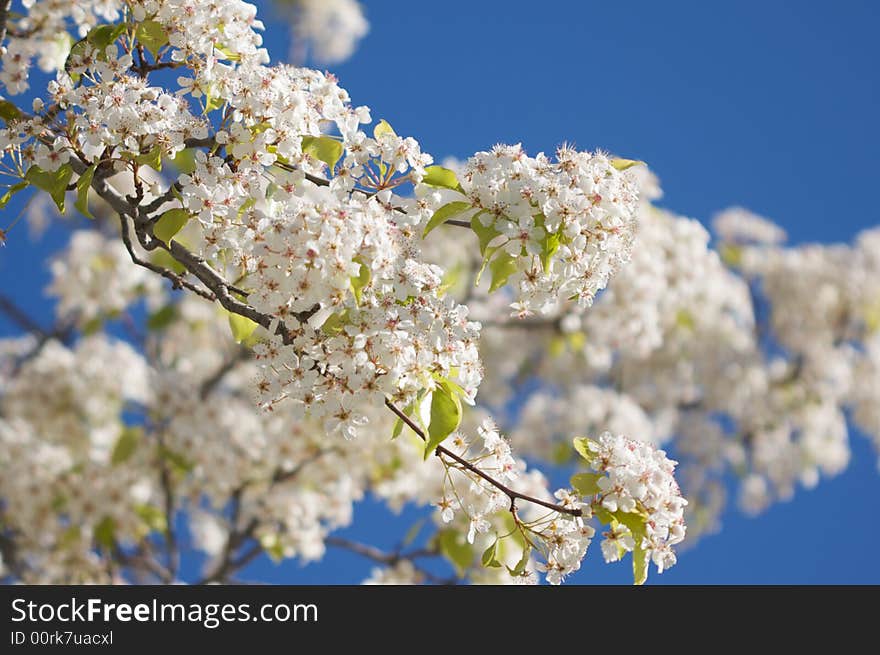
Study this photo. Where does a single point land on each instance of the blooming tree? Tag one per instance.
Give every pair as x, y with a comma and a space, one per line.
329, 313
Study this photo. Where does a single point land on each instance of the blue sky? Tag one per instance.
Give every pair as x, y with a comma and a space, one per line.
769, 105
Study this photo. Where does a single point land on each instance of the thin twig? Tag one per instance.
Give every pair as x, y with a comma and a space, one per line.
511, 493
389, 559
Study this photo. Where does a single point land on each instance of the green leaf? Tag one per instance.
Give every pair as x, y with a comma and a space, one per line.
623, 164
162, 318
82, 190
53, 182
521, 565
586, 483
489, 556
242, 327
11, 191
170, 223
335, 323
8, 111
104, 532
153, 158
125, 445
228, 53
443, 214
502, 267
398, 424
413, 532
164, 259
103, 35
604, 516
153, 517
213, 102
636, 524
323, 148
731, 255
69, 537
684, 319
185, 160
640, 563
441, 177
180, 463
584, 447
484, 233
445, 415
358, 283
382, 128
152, 35
93, 326
77, 50
273, 546
456, 549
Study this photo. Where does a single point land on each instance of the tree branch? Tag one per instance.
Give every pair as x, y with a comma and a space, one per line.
4, 16
514, 495
389, 559
20, 318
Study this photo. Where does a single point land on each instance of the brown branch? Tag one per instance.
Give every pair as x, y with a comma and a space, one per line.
18, 316
221, 290
514, 495
177, 281
238, 536
210, 383
389, 559
4, 16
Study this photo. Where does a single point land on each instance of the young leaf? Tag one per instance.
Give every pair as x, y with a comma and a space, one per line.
8, 111
550, 243
335, 323
323, 148
162, 318
164, 259
179, 463
382, 128
53, 182
273, 546
443, 214
153, 517
586, 483
152, 35
169, 224
413, 532
104, 532
445, 415
484, 233
242, 327
640, 563
153, 158
185, 160
583, 446
358, 283
103, 35
502, 267
125, 445
520, 567
441, 177
15, 188
456, 550
489, 555
623, 164
82, 190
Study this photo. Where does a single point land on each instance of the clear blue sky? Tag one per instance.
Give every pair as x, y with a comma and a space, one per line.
770, 105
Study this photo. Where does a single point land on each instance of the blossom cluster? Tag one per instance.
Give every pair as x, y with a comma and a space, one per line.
639, 480
557, 228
